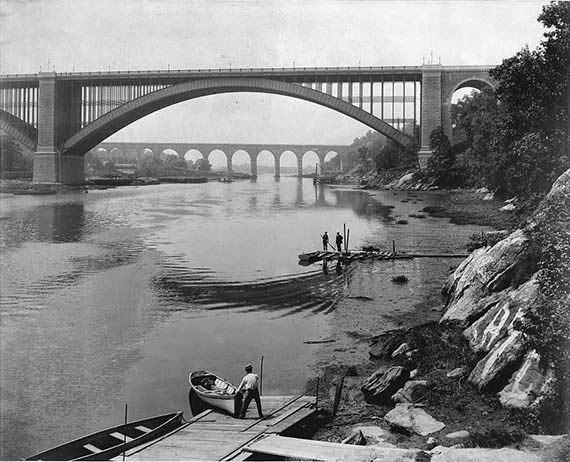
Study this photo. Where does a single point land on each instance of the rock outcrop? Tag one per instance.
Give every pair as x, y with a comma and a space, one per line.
484, 272
527, 384
489, 295
500, 320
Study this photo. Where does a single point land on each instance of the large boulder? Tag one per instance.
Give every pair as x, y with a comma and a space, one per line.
412, 391
499, 321
528, 384
380, 386
485, 271
495, 368
413, 419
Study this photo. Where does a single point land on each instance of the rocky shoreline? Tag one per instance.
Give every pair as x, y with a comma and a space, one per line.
471, 386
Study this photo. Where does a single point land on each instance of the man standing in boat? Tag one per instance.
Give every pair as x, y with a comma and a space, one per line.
250, 387
338, 242
325, 241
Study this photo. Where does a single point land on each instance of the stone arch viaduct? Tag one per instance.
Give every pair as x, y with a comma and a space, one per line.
61, 116
137, 151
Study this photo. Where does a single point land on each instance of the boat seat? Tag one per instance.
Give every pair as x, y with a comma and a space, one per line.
220, 384
144, 429
93, 449
122, 436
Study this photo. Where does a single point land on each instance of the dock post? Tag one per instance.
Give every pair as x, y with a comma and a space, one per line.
317, 394
337, 395
261, 376
125, 431
393, 246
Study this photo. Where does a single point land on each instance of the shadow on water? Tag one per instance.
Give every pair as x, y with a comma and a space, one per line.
307, 293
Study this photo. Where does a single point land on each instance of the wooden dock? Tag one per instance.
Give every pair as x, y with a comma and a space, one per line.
306, 259
215, 436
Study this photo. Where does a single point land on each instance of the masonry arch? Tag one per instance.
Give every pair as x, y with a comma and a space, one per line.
192, 155
116, 155
133, 110
266, 160
241, 161
309, 160
218, 159
168, 155
332, 161
287, 162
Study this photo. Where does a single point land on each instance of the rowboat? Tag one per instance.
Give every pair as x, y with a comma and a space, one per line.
111, 442
209, 390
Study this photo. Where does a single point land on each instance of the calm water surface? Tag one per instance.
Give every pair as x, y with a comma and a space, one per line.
112, 297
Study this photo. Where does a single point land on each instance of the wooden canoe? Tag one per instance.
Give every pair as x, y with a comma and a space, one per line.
111, 442
221, 393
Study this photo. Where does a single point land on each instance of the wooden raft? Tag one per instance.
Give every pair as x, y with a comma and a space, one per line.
215, 436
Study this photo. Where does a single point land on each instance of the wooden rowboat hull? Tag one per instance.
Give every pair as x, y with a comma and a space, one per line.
111, 442
225, 397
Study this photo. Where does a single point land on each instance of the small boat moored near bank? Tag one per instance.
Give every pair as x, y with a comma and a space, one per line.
208, 390
111, 442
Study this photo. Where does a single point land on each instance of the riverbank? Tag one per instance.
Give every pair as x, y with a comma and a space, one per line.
439, 359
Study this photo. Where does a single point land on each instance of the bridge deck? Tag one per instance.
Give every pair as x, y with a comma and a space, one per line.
214, 436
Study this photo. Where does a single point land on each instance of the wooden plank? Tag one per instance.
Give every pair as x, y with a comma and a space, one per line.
142, 428
176, 430
92, 448
287, 414
287, 423
274, 412
121, 437
222, 437
299, 449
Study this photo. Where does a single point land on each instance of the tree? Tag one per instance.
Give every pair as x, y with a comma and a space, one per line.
12, 156
203, 165
441, 163
519, 134
534, 93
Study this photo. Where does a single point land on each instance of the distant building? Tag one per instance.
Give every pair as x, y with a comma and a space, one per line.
126, 169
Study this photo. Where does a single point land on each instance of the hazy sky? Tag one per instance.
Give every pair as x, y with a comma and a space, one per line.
97, 35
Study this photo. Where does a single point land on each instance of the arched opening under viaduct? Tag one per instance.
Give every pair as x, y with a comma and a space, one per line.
241, 162
265, 162
218, 160
310, 160
463, 90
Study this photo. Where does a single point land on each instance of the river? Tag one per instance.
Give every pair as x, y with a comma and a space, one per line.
111, 297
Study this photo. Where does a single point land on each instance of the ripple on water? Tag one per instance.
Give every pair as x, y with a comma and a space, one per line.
306, 293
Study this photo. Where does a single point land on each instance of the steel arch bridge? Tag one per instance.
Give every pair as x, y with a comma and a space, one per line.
61, 116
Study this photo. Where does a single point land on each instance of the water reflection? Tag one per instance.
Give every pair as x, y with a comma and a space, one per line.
47, 222
61, 222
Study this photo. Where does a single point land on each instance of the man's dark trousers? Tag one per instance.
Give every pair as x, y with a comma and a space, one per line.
248, 395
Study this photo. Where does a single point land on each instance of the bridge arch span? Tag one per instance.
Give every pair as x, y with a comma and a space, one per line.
478, 83
16, 128
114, 120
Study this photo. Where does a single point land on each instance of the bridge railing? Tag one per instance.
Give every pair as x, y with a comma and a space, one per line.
224, 70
